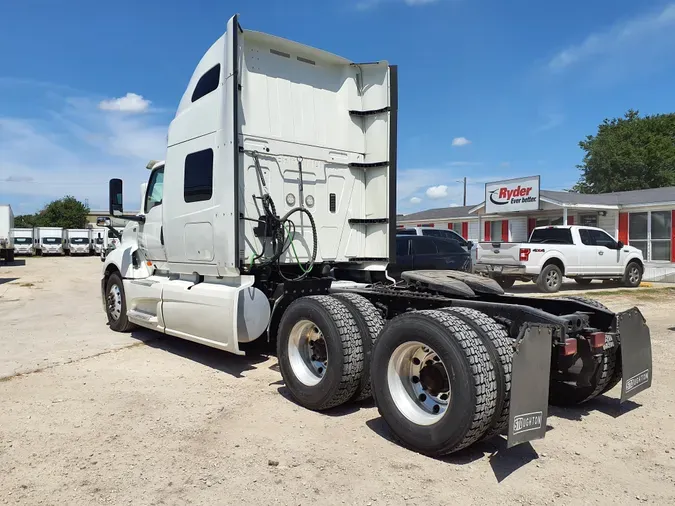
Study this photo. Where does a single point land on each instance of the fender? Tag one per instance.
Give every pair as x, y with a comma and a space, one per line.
550, 255
122, 258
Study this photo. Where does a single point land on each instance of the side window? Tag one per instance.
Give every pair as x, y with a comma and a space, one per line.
585, 236
198, 177
448, 247
155, 191
402, 246
207, 83
423, 246
602, 239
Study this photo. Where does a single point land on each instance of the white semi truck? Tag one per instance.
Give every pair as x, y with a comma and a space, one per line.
273, 217
6, 240
76, 241
48, 240
23, 241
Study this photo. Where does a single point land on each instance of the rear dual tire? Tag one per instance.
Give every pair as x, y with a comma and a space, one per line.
438, 390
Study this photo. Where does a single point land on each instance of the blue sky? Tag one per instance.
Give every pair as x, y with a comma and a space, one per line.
488, 89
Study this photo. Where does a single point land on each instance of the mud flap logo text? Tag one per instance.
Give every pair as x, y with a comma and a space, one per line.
527, 422
637, 380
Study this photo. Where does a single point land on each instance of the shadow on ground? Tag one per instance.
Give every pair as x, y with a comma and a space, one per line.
18, 262
7, 280
234, 365
607, 405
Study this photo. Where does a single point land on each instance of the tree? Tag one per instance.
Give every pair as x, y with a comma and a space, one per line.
27, 221
67, 212
629, 153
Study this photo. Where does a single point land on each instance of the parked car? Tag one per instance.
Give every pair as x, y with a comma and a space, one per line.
581, 253
416, 252
436, 232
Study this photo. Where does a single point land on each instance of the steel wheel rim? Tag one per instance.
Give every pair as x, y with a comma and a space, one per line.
307, 353
552, 278
633, 275
419, 383
115, 302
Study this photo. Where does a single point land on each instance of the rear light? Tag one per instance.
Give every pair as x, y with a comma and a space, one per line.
524, 254
597, 339
570, 347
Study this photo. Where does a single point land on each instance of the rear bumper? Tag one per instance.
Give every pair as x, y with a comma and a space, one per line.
504, 270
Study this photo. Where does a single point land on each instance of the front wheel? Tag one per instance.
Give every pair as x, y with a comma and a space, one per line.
633, 275
116, 304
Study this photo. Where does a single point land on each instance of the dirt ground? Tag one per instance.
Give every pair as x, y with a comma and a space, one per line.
88, 416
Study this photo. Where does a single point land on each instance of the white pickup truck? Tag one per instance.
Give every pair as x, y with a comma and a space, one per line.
581, 253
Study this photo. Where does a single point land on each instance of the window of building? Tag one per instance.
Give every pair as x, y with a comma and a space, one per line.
588, 220
638, 231
198, 177
496, 230
549, 221
207, 83
457, 227
661, 227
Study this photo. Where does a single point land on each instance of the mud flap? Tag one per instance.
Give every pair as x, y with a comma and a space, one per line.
529, 384
636, 353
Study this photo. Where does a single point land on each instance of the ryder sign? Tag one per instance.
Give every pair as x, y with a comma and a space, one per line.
512, 195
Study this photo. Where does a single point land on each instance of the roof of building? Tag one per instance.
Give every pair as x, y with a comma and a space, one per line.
627, 198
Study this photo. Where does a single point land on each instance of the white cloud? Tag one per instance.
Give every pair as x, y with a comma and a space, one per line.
437, 192
131, 102
550, 122
415, 200
635, 39
75, 149
460, 141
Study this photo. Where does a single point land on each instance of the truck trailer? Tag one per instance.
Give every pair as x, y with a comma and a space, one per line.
23, 241
48, 240
273, 217
6, 239
76, 241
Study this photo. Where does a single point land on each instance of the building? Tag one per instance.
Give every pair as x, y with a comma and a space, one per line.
642, 218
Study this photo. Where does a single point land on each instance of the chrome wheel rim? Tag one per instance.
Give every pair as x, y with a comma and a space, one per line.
552, 278
634, 275
307, 353
115, 302
419, 383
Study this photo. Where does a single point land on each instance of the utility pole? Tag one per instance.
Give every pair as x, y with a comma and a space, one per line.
464, 191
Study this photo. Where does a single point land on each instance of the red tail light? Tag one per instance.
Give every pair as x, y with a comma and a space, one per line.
570, 347
597, 339
524, 254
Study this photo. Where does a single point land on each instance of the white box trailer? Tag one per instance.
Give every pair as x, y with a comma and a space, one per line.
76, 241
48, 240
6, 226
23, 241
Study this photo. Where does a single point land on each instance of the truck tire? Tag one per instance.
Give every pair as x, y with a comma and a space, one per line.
550, 279
369, 322
563, 394
633, 275
428, 409
505, 282
500, 348
116, 304
320, 352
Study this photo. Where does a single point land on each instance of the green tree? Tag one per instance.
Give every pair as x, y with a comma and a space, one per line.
629, 153
67, 212
27, 221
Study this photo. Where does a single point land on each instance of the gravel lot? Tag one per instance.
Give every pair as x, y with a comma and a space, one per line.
91, 416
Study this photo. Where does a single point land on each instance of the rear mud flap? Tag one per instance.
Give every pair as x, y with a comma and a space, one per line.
636, 353
530, 384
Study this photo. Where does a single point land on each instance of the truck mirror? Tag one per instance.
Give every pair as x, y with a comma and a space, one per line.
619, 245
115, 197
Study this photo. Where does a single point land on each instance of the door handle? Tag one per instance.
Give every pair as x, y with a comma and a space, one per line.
161, 236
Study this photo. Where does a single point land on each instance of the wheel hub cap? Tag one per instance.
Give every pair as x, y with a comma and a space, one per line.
114, 302
419, 383
307, 352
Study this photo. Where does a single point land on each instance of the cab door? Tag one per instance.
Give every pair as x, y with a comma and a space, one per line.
151, 233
